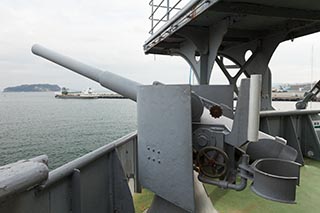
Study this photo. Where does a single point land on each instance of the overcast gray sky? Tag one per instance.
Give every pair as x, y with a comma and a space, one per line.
109, 35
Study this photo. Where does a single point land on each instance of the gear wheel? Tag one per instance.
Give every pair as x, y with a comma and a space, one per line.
212, 162
216, 111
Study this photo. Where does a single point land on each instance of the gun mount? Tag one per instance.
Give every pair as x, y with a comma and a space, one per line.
179, 138
308, 96
188, 133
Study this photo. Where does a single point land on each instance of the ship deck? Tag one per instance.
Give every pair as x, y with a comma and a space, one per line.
251, 20
247, 202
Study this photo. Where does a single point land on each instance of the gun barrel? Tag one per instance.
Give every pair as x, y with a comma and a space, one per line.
116, 83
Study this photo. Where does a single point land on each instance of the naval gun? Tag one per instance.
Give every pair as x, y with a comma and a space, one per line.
185, 137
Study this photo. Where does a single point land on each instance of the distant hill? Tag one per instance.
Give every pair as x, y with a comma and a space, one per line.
33, 88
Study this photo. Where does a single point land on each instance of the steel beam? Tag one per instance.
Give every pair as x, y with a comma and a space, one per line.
205, 43
265, 10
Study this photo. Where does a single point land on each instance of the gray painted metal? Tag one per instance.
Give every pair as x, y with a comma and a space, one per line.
101, 186
309, 96
202, 43
165, 143
67, 169
310, 143
244, 164
22, 175
239, 132
197, 107
183, 12
165, 116
213, 93
267, 148
120, 198
166, 107
128, 155
262, 51
276, 179
289, 132
216, 26
197, 104
76, 191
258, 19
116, 83
204, 136
298, 127
165, 124
279, 113
202, 201
207, 96
227, 123
254, 107
285, 125
164, 205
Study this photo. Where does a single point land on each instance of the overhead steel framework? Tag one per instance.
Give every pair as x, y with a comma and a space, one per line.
205, 31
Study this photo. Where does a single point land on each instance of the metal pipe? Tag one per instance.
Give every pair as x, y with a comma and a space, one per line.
272, 113
225, 184
40, 159
254, 107
22, 175
116, 83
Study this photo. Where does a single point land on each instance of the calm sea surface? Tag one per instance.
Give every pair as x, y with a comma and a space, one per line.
32, 124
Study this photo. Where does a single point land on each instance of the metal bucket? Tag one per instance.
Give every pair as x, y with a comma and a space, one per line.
276, 179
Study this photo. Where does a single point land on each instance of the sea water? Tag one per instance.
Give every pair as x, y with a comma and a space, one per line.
32, 124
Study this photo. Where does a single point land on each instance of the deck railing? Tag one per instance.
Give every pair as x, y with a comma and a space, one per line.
168, 16
162, 10
95, 182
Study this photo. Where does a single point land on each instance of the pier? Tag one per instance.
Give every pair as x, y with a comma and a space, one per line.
93, 96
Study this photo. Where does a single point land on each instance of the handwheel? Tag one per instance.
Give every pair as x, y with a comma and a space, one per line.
212, 162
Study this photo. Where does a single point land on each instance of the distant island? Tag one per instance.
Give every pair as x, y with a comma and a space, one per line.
34, 88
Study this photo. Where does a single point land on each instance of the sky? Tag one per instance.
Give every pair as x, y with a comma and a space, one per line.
110, 35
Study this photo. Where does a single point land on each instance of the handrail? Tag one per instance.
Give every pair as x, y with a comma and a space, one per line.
22, 175
168, 8
180, 14
67, 169
157, 7
271, 113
